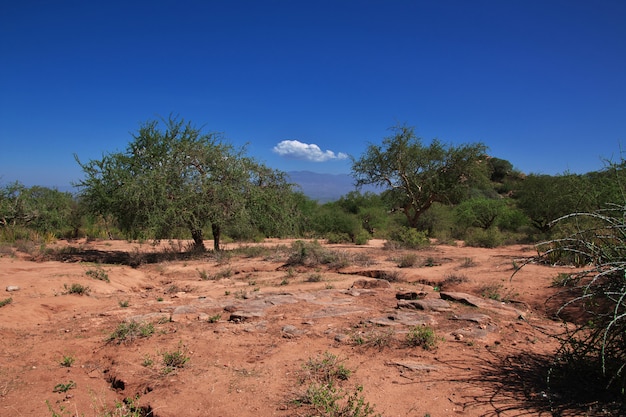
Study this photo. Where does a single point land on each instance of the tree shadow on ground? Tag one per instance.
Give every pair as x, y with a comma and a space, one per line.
529, 384
132, 259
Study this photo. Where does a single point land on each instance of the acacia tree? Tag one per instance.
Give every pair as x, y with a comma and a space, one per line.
416, 176
177, 176
544, 198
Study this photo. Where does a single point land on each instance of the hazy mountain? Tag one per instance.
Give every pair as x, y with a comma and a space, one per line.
325, 187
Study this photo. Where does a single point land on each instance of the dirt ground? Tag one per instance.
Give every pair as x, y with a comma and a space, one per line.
249, 325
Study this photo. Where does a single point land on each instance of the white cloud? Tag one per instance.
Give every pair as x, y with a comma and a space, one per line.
309, 152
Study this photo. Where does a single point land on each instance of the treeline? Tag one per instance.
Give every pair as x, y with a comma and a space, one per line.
513, 208
175, 181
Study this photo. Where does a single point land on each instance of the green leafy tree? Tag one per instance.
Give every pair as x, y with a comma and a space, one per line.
416, 176
479, 212
177, 176
38, 208
544, 198
369, 208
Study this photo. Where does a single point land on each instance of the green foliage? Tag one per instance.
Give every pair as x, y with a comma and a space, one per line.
409, 238
6, 301
98, 273
544, 198
313, 254
490, 238
325, 369
324, 395
175, 359
128, 332
596, 345
64, 387
78, 289
415, 176
178, 176
67, 361
479, 212
421, 336
38, 208
330, 401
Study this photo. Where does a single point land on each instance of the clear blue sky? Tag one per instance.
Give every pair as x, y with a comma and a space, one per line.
541, 82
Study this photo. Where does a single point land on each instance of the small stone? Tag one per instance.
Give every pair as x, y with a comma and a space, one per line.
12, 288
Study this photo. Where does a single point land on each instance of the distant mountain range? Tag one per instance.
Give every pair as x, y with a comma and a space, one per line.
325, 187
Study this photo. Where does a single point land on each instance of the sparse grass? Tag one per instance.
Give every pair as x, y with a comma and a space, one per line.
175, 359
453, 279
64, 387
98, 273
315, 277
422, 336
497, 292
391, 276
127, 332
124, 303
215, 318
407, 260
6, 301
564, 279
77, 289
468, 263
147, 361
312, 254
492, 291
430, 262
325, 368
324, 395
376, 337
67, 361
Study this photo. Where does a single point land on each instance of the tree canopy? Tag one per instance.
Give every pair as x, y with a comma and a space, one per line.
416, 176
176, 176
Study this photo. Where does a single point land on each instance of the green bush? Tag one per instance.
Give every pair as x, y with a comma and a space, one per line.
594, 349
422, 336
481, 238
408, 237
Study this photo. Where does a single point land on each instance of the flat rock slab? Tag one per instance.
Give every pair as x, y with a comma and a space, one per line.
474, 317
333, 311
414, 366
404, 318
474, 301
241, 316
427, 304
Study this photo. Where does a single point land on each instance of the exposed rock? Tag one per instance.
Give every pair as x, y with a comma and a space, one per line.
412, 295
371, 283
290, 331
415, 366
12, 288
473, 317
241, 316
428, 304
474, 301
404, 318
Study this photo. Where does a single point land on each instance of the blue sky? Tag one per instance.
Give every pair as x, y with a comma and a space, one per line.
542, 83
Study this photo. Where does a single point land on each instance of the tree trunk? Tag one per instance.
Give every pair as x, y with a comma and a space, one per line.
217, 231
198, 239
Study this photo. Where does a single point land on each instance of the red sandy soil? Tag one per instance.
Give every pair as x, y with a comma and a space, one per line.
249, 333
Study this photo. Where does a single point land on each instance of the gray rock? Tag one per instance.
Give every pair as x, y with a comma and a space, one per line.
472, 300
428, 304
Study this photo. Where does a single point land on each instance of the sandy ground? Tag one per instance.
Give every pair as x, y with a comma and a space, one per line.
249, 325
